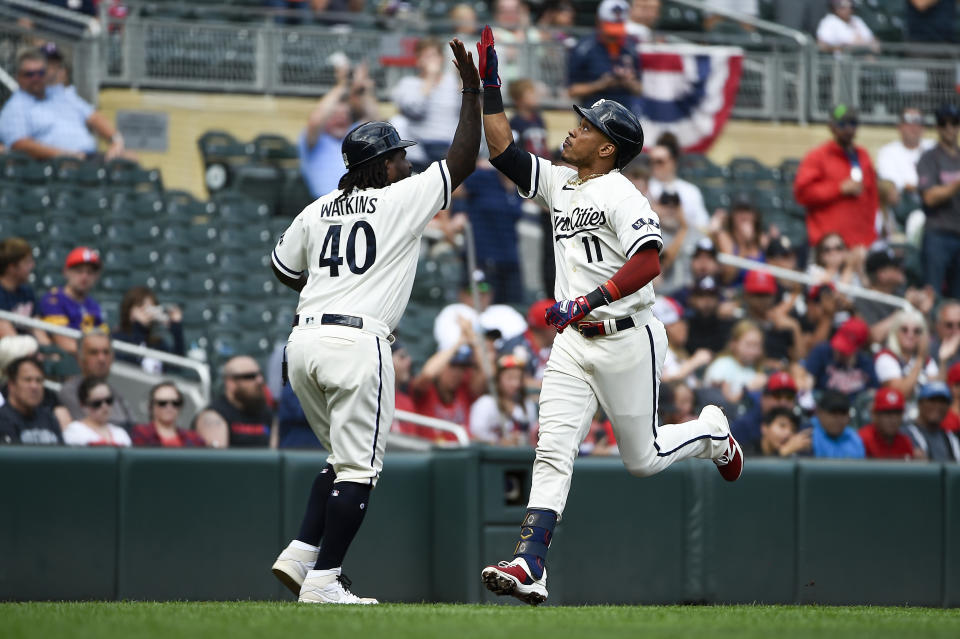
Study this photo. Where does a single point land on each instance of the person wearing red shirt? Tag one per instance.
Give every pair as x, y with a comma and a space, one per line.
882, 439
445, 389
951, 423
165, 404
837, 184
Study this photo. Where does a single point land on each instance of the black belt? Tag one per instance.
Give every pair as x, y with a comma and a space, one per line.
331, 318
595, 329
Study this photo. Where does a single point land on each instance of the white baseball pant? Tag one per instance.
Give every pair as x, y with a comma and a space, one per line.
621, 372
344, 380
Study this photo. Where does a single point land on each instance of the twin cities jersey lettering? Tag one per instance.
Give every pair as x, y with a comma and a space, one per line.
597, 227
360, 252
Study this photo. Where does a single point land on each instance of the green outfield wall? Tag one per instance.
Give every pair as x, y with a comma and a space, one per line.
196, 525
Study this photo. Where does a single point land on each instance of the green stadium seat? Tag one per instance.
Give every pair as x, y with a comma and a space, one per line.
751, 170
273, 147
295, 195
115, 282
696, 167
237, 209
92, 202
260, 182
715, 197
201, 259
36, 200
788, 170
130, 175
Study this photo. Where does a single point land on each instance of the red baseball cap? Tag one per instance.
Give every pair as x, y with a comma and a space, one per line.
888, 399
760, 283
82, 255
850, 337
537, 313
781, 380
953, 374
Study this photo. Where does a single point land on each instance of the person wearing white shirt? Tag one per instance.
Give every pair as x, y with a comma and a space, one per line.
643, 18
897, 161
96, 397
663, 161
840, 29
492, 317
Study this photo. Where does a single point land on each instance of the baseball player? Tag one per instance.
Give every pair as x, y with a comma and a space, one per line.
352, 255
610, 348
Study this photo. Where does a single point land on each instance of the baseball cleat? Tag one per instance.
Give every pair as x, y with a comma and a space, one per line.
329, 587
292, 566
730, 463
514, 578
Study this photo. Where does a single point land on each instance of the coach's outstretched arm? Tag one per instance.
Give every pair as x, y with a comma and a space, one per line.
462, 155
504, 154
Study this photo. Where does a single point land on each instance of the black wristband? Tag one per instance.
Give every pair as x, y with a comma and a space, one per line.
598, 297
492, 101
473, 90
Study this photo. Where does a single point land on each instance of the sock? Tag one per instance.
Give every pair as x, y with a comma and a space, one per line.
299, 545
535, 536
346, 508
311, 528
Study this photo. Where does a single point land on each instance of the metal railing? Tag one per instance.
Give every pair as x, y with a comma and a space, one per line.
458, 431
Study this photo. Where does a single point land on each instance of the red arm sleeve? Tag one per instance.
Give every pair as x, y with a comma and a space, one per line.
635, 274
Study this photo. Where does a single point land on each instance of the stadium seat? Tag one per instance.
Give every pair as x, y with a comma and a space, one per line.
788, 171
696, 167
715, 197
272, 147
260, 182
295, 195
237, 209
130, 175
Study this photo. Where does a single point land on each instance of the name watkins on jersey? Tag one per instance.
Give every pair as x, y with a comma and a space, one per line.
580, 220
350, 206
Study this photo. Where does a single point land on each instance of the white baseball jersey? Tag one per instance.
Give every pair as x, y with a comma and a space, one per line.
361, 252
597, 227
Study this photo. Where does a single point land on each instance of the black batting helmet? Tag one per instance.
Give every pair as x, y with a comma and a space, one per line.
619, 124
370, 140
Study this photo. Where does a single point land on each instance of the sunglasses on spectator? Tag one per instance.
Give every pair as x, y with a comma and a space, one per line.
163, 403
36, 73
851, 123
97, 403
246, 377
916, 330
659, 160
829, 248
783, 394
912, 118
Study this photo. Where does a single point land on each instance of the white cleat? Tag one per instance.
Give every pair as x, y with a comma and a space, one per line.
292, 566
730, 460
329, 587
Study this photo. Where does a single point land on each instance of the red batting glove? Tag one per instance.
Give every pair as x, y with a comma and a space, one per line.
487, 59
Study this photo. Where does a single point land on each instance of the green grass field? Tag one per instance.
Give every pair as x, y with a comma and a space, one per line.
263, 620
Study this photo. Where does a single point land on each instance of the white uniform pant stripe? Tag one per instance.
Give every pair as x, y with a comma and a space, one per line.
620, 373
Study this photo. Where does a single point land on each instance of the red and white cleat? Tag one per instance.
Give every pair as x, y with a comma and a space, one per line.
730, 463
514, 578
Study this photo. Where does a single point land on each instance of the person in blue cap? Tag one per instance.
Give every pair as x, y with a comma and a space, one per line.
933, 402
833, 436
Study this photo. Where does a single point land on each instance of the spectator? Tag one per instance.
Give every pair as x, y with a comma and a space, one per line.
293, 429
886, 275
781, 333
463, 19
746, 7
447, 386
529, 129
403, 374
493, 206
663, 160
882, 438
781, 252
780, 435
351, 100
780, 392
638, 172
840, 364
951, 422
58, 75
927, 435
166, 400
506, 418
835, 263
140, 319
15, 347
904, 363
242, 407
556, 19
897, 161
945, 346
429, 102
678, 364
840, 30
838, 186
644, 15
16, 294
535, 343
46, 125
817, 320
833, 436
513, 33
938, 180
606, 65
95, 358
707, 329
738, 369
931, 20
678, 241
95, 429
23, 417
742, 235
447, 326
703, 263
72, 306
888, 230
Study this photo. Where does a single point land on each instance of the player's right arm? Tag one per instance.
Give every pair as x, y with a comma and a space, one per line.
288, 259
506, 156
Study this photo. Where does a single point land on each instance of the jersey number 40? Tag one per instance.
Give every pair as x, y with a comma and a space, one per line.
330, 253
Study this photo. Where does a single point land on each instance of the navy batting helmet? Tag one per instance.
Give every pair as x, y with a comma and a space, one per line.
370, 140
619, 124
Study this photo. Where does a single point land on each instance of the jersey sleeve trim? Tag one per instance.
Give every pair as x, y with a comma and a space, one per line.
643, 239
444, 175
534, 179
283, 269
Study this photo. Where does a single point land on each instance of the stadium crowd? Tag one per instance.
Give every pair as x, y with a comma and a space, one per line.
862, 361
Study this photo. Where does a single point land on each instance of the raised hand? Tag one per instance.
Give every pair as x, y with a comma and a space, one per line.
487, 58
463, 60
565, 312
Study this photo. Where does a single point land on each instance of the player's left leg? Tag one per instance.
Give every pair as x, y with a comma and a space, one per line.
627, 370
